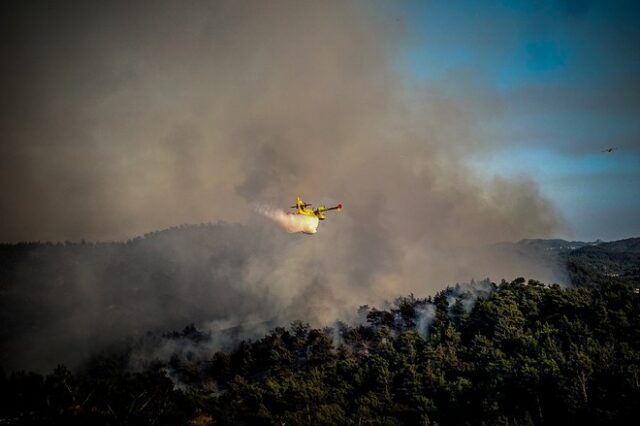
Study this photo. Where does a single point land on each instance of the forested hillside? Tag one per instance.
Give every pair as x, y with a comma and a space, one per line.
616, 261
74, 299
517, 353
584, 264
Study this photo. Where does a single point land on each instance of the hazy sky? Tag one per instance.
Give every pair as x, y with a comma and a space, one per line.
565, 79
118, 118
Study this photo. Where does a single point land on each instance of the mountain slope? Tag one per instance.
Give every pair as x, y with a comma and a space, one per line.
617, 261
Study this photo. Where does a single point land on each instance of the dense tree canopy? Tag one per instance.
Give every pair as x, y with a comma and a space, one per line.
515, 353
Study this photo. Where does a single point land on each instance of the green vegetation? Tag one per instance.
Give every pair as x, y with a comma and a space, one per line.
518, 353
617, 261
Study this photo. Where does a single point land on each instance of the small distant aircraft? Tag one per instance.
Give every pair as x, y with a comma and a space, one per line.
610, 150
305, 209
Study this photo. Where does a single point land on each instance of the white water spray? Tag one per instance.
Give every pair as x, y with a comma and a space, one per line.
290, 222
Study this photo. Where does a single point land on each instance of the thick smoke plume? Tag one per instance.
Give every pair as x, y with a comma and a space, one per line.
120, 118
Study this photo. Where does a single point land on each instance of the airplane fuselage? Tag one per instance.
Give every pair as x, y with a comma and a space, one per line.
303, 210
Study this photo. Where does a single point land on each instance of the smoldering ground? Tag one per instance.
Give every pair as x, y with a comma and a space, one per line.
121, 118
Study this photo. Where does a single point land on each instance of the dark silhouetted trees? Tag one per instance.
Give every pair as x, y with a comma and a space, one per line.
518, 353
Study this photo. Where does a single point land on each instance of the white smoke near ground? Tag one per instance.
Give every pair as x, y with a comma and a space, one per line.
292, 223
425, 315
468, 293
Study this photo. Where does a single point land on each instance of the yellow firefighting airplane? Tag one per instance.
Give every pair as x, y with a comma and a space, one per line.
305, 209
